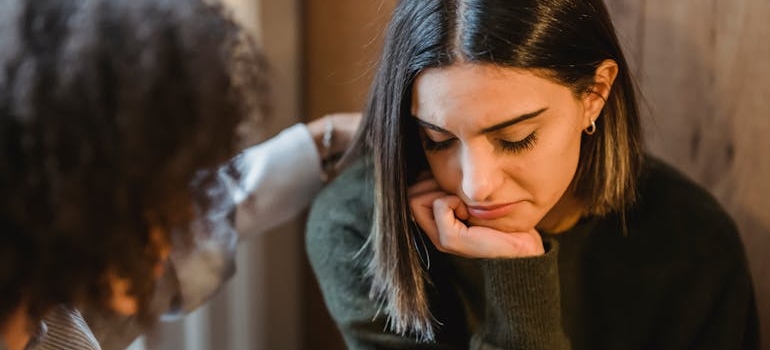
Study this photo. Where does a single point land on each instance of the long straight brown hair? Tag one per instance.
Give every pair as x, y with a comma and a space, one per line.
568, 39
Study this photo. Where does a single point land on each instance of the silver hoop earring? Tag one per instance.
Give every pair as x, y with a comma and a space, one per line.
591, 129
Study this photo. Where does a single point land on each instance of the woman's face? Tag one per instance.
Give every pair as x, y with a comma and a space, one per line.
504, 140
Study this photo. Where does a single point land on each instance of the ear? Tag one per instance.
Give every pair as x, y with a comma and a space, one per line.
595, 99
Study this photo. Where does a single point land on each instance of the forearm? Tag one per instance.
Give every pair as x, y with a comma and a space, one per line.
523, 304
266, 185
278, 179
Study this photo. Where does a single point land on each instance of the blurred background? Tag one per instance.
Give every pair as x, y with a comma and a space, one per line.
704, 71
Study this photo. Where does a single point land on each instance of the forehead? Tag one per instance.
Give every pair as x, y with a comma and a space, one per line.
483, 90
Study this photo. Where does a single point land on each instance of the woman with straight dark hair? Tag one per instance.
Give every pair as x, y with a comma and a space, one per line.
508, 134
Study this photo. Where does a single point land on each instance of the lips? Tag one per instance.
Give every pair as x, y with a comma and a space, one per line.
491, 212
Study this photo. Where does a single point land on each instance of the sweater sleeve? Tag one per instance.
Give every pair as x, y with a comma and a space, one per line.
523, 309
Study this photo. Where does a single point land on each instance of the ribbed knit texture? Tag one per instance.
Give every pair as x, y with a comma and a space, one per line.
675, 278
537, 325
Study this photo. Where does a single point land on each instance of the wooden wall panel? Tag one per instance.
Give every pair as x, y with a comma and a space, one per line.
704, 68
342, 41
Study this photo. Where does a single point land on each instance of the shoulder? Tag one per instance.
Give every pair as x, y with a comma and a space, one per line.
349, 198
671, 198
340, 217
666, 188
678, 212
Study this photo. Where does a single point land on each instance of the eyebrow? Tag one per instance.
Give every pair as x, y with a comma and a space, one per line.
490, 129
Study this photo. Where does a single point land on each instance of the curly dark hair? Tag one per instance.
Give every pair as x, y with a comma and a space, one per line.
107, 111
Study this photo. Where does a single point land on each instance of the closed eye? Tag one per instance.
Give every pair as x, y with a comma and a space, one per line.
522, 145
433, 146
519, 146
434, 138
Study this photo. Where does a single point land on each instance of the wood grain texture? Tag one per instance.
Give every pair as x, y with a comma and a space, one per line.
342, 44
342, 41
704, 71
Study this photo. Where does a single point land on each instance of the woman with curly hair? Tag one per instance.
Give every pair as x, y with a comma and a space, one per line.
115, 119
108, 110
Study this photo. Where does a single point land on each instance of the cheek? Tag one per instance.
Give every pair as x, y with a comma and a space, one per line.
548, 170
444, 169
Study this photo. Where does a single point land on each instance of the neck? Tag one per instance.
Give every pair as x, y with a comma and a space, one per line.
15, 330
563, 216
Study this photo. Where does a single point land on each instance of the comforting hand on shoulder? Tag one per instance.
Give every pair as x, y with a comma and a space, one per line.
441, 216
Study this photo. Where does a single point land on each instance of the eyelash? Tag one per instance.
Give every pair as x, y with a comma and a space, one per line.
434, 146
509, 146
522, 145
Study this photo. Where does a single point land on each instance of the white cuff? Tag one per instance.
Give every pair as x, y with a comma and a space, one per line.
278, 179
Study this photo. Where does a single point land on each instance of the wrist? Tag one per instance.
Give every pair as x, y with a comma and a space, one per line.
317, 128
322, 131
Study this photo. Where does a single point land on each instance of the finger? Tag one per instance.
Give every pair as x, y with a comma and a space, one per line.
456, 238
490, 243
450, 229
424, 202
422, 212
423, 186
461, 210
454, 204
346, 123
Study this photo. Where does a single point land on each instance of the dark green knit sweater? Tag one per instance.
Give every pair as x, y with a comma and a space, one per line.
677, 279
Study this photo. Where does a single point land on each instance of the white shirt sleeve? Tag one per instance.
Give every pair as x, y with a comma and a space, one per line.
278, 179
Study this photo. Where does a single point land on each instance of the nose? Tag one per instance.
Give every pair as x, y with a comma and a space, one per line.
480, 173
